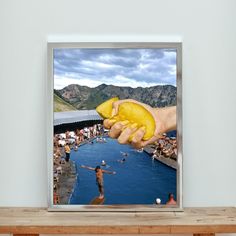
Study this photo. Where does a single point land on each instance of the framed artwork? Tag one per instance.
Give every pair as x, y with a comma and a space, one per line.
114, 126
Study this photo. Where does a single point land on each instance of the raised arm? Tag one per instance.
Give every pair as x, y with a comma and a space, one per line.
87, 167
109, 172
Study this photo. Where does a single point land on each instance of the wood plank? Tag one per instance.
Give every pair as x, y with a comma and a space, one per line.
72, 230
196, 221
204, 234
25, 234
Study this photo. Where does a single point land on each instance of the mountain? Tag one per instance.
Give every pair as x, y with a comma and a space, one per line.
83, 97
61, 105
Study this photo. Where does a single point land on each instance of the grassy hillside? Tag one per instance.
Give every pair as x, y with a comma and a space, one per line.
61, 105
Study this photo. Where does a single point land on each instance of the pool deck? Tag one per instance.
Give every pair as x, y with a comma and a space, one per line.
167, 161
66, 182
68, 179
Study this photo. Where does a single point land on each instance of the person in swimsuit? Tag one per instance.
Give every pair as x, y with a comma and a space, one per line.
67, 151
122, 160
99, 178
171, 200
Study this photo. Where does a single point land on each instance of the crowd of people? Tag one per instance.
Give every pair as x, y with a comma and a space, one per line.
79, 135
64, 142
166, 147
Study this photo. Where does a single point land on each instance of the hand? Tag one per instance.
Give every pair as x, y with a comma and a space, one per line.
165, 120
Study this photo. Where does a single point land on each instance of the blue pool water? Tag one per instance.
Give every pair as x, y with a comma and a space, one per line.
139, 180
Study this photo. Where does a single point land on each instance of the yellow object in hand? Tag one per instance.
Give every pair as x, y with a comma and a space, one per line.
132, 112
105, 109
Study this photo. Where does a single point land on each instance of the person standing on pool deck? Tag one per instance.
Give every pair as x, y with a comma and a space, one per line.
67, 151
171, 200
99, 178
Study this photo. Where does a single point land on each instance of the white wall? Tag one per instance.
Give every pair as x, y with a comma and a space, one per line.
209, 48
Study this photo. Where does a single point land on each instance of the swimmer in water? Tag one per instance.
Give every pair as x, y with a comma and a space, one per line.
124, 154
122, 161
103, 163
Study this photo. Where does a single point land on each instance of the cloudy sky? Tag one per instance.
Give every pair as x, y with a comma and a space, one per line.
121, 67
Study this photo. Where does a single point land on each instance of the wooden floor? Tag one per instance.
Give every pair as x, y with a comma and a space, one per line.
198, 221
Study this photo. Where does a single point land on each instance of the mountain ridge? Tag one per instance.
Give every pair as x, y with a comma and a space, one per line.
84, 97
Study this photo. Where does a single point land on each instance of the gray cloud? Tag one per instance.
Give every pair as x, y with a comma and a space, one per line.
154, 66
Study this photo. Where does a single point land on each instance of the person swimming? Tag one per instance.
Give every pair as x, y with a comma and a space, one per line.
100, 140
103, 163
76, 148
122, 160
158, 201
124, 154
140, 150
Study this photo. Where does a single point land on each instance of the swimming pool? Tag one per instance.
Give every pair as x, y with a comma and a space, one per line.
139, 180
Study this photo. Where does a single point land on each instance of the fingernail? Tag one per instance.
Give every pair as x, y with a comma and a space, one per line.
116, 117
112, 120
134, 125
124, 127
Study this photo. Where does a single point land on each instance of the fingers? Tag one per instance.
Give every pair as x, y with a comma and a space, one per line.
116, 129
115, 106
114, 111
136, 140
150, 141
108, 123
126, 132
